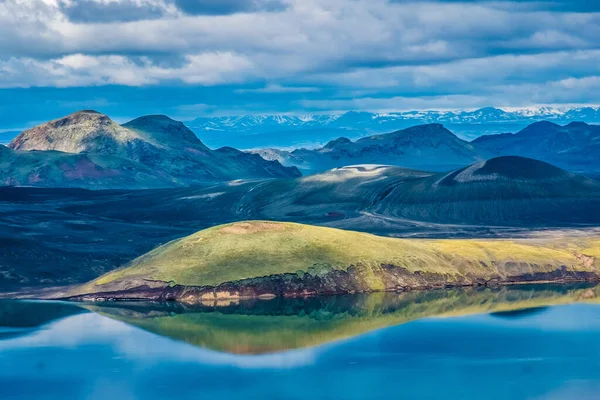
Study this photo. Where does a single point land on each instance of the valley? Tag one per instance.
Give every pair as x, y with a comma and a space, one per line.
68, 236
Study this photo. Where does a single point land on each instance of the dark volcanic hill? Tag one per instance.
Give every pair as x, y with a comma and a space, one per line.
499, 192
574, 146
503, 190
426, 147
147, 146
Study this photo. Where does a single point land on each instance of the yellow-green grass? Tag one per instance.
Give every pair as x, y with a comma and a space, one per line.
251, 249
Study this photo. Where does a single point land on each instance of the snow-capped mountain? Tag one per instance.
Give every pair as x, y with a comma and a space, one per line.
261, 122
377, 121
313, 130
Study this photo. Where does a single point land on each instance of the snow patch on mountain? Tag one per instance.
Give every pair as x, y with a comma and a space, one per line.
380, 122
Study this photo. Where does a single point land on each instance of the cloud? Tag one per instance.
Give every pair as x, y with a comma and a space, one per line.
275, 88
344, 52
570, 91
100, 11
224, 7
553, 5
83, 70
83, 11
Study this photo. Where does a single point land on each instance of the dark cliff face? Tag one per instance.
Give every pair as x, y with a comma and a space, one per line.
326, 281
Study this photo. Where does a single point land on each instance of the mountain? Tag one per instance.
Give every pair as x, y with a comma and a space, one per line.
428, 147
93, 171
284, 131
513, 190
352, 119
502, 191
574, 146
147, 146
267, 259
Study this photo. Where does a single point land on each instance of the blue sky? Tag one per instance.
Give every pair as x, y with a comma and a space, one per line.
188, 58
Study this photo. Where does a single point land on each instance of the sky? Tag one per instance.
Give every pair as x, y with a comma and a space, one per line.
189, 58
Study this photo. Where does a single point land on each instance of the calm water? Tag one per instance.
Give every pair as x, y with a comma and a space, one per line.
533, 343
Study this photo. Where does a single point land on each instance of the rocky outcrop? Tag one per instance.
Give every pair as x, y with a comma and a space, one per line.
355, 279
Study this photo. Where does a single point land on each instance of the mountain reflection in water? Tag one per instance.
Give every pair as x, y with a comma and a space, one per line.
527, 342
266, 326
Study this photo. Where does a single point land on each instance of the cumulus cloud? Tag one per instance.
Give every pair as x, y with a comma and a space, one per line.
83, 70
371, 49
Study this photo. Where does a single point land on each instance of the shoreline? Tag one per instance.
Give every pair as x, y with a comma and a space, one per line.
235, 291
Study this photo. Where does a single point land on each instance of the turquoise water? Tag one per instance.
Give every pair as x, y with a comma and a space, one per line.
334, 349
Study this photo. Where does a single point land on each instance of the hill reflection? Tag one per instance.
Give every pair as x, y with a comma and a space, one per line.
267, 326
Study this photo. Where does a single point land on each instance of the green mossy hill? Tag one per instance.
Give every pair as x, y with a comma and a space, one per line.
244, 250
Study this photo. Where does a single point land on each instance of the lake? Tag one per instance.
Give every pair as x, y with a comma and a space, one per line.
529, 342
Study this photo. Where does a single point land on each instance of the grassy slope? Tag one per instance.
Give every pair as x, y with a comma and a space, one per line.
254, 249
256, 333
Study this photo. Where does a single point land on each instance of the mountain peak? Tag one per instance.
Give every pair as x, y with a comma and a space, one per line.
516, 167
577, 124
435, 129
163, 129
74, 133
337, 142
86, 112
490, 110
155, 118
539, 128
505, 167
83, 115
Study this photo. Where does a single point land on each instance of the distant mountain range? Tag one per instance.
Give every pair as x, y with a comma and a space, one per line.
433, 147
87, 149
426, 147
255, 131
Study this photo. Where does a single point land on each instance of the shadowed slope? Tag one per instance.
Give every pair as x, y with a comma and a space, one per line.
499, 191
